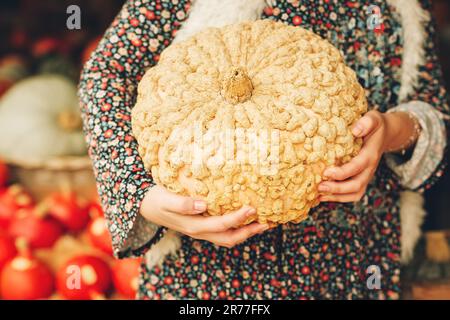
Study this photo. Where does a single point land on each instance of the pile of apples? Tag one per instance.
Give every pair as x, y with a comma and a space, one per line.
58, 248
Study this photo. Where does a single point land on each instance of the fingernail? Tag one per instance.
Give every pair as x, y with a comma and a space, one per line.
250, 212
329, 173
324, 188
357, 130
199, 206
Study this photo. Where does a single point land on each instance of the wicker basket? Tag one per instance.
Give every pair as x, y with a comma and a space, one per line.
63, 173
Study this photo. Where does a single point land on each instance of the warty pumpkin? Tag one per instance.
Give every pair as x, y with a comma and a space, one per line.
248, 114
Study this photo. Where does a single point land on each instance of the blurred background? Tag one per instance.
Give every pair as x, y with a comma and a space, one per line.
50, 218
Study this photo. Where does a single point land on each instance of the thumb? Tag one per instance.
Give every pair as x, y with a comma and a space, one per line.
182, 205
368, 123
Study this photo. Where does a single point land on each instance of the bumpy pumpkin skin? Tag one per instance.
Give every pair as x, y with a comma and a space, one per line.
263, 76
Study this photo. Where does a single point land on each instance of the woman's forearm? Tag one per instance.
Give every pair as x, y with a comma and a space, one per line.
402, 131
108, 89
427, 153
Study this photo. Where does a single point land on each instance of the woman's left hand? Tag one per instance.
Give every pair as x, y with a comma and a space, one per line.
348, 182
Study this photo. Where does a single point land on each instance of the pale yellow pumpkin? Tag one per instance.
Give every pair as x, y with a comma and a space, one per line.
248, 114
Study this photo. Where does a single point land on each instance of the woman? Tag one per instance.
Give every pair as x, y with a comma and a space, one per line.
358, 223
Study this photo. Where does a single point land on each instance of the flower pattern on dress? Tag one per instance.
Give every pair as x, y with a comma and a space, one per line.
325, 256
108, 87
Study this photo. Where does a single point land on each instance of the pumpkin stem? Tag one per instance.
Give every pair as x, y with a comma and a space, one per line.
237, 86
41, 210
69, 121
22, 246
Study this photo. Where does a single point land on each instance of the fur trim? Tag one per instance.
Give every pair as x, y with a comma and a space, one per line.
168, 245
413, 19
217, 13
412, 215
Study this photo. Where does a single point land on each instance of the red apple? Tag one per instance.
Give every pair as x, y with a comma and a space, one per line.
18, 38
38, 230
4, 86
66, 208
45, 45
12, 199
126, 276
92, 45
7, 249
25, 278
84, 277
95, 210
99, 236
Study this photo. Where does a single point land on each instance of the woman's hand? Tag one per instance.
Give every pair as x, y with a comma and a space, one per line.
381, 132
184, 214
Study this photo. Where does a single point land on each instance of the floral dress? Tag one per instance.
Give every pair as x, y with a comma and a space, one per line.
326, 256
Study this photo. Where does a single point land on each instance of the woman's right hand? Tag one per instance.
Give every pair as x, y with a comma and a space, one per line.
184, 214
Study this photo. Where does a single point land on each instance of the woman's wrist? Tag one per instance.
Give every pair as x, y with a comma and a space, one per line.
402, 131
147, 205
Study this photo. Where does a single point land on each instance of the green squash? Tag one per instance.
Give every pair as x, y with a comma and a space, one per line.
40, 119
